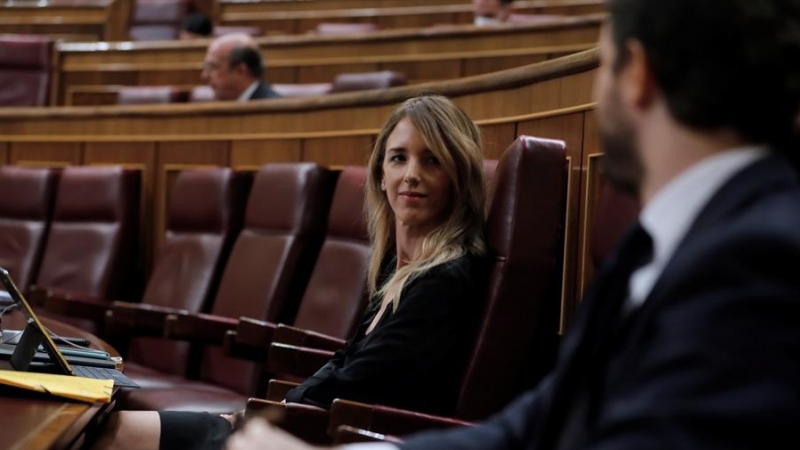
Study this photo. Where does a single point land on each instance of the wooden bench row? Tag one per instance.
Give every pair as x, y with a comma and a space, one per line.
420, 55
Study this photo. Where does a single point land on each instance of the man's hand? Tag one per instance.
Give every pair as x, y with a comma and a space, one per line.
258, 434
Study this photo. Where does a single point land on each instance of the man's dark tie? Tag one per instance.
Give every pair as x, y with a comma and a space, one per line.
603, 324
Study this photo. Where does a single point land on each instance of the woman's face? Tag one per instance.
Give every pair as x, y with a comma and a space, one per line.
416, 185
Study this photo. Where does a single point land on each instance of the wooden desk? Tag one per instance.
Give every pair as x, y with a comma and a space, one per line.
70, 20
37, 422
305, 5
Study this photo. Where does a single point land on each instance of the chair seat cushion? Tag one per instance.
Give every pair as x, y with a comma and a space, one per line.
178, 394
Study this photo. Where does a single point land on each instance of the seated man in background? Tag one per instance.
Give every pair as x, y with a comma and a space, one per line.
196, 26
234, 69
491, 12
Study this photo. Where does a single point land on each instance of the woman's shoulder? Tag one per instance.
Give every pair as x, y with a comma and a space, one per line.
465, 269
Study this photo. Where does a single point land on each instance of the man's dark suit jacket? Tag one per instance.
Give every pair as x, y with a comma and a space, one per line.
415, 356
711, 360
264, 90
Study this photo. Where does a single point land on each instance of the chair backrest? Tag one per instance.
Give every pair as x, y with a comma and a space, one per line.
157, 20
516, 340
347, 82
146, 95
25, 65
614, 213
204, 213
302, 89
93, 240
26, 204
272, 259
336, 293
222, 30
201, 94
330, 29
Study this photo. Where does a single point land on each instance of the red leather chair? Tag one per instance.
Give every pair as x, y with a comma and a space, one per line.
204, 215
147, 95
335, 297
201, 94
516, 341
157, 20
26, 204
25, 70
222, 30
303, 89
92, 245
348, 82
264, 278
331, 29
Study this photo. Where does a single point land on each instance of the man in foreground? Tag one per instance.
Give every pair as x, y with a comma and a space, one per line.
690, 335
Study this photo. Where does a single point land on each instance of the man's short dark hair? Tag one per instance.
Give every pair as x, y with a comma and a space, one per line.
250, 57
198, 24
721, 64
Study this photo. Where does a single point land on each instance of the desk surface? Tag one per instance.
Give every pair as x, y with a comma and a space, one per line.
37, 422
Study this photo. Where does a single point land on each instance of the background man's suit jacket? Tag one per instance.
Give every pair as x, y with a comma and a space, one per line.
711, 360
264, 90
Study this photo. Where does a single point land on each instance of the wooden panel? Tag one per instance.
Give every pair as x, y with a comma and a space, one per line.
569, 128
252, 154
339, 151
291, 5
496, 138
591, 190
477, 66
45, 154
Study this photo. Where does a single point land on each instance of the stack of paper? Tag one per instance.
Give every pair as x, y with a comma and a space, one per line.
77, 388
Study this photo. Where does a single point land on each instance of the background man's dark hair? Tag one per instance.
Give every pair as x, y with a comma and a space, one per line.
250, 57
198, 24
720, 63
506, 2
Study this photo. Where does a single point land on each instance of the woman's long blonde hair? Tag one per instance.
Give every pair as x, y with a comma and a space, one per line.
455, 141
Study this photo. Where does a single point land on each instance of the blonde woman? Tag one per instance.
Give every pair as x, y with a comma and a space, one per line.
426, 211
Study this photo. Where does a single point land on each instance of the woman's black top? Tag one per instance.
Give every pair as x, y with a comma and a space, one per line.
415, 357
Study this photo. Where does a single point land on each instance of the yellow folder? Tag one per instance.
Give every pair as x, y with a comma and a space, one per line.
77, 388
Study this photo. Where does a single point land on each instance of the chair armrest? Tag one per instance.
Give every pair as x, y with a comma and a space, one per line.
346, 434
298, 361
304, 421
286, 334
385, 420
141, 319
255, 333
76, 305
234, 349
277, 389
203, 328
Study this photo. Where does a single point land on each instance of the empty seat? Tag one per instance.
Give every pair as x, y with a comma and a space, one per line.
347, 82
264, 278
25, 65
329, 29
145, 95
203, 216
92, 245
201, 94
302, 90
157, 20
26, 203
222, 30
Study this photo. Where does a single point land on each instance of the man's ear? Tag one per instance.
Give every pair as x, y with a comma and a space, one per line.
636, 79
